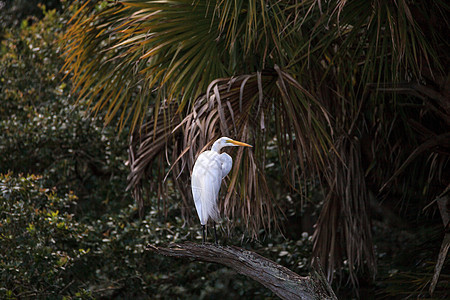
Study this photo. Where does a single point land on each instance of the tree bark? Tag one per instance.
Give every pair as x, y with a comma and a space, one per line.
282, 281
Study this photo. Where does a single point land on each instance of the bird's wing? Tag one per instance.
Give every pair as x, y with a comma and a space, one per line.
226, 162
206, 179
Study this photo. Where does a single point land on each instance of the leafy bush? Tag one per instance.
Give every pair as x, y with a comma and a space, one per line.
47, 253
44, 132
54, 244
39, 239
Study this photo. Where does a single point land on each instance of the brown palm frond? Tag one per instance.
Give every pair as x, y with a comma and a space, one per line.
147, 146
166, 60
343, 228
225, 109
243, 107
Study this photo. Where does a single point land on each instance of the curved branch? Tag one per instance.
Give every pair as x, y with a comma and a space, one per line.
282, 281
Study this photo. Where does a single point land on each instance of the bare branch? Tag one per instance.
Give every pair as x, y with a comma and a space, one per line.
282, 281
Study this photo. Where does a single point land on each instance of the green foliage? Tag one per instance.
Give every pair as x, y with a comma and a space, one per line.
54, 244
29, 72
13, 12
40, 240
43, 131
46, 253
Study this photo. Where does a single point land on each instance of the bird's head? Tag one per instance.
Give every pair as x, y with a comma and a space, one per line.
226, 142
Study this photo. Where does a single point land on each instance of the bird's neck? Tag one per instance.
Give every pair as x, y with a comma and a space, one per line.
216, 147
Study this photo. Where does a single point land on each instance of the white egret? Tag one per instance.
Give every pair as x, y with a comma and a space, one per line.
209, 170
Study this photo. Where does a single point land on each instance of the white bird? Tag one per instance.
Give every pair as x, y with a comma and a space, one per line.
209, 170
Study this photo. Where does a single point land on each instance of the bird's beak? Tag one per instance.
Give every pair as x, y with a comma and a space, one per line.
239, 143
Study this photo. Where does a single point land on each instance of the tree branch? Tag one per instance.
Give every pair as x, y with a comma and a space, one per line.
282, 281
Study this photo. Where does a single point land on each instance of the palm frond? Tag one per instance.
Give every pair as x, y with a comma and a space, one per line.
347, 212
141, 53
201, 69
243, 107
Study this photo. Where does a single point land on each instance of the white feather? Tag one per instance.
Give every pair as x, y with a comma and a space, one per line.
227, 163
209, 170
206, 180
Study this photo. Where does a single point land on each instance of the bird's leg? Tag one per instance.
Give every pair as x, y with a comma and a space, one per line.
215, 233
204, 234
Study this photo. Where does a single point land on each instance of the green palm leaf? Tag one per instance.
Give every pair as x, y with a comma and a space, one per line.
154, 50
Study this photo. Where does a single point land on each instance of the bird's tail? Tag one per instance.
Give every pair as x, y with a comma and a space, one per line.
209, 203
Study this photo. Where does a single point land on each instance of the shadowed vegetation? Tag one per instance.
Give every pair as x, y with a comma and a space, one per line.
346, 103
320, 80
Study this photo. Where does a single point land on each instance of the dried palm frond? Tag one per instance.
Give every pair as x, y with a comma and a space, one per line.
147, 146
180, 63
243, 107
348, 232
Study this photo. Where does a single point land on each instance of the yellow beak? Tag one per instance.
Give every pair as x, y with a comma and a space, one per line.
239, 143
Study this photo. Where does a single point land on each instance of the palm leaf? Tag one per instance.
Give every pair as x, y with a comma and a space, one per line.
135, 47
228, 108
347, 208
201, 69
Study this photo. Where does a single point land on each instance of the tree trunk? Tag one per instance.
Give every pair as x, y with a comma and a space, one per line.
282, 281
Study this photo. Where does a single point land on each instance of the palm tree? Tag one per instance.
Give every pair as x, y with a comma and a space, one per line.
349, 93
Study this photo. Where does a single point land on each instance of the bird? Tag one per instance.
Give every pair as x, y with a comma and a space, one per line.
209, 169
